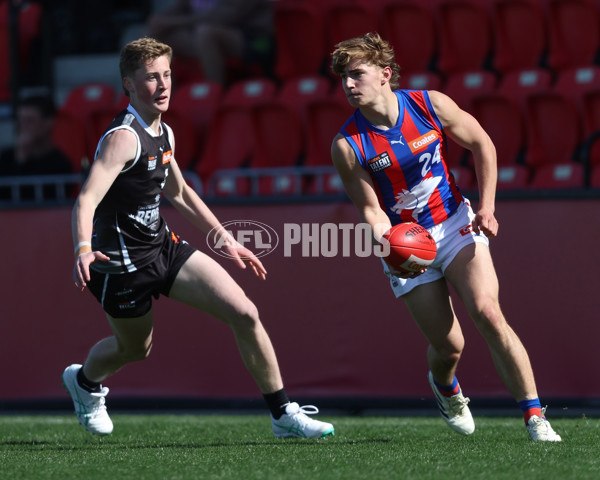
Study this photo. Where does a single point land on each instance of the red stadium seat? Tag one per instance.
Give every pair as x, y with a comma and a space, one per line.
421, 81
582, 85
69, 135
228, 183
465, 42
462, 88
230, 142
296, 93
84, 102
186, 144
100, 122
278, 144
347, 20
250, 92
101, 119
300, 39
278, 136
554, 129
325, 118
578, 82
401, 24
518, 85
187, 70
464, 177
511, 177
574, 33
564, 175
520, 34
196, 103
85, 99
501, 118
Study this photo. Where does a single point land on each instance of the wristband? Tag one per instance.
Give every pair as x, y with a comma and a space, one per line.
81, 246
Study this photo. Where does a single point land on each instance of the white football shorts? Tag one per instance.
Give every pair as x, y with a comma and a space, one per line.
451, 236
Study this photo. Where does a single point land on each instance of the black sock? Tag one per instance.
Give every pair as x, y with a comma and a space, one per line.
276, 402
85, 383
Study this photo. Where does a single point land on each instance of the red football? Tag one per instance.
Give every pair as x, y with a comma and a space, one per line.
412, 248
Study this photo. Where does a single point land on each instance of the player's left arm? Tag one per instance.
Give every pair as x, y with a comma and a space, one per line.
192, 207
464, 129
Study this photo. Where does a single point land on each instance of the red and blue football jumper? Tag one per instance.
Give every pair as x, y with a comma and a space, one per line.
407, 162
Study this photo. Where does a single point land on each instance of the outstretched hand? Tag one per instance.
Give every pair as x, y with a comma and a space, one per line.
242, 256
81, 271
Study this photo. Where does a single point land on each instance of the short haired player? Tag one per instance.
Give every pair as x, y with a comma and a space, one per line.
125, 253
390, 155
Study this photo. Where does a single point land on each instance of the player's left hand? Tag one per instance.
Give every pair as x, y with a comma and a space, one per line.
242, 256
485, 222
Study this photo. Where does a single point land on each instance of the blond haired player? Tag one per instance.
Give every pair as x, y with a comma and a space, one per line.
390, 155
125, 253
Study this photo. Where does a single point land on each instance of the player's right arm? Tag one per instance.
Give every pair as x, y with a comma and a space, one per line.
359, 187
116, 150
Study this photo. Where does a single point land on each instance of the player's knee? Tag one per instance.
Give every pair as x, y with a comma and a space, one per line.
245, 317
489, 318
449, 354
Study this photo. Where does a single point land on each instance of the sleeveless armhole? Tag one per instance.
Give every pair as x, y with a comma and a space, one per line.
421, 100
171, 137
138, 147
352, 136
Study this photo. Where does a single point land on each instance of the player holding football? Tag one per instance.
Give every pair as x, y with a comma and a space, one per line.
390, 155
125, 253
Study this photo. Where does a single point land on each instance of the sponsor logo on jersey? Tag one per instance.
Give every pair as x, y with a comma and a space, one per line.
148, 216
151, 163
166, 157
380, 162
421, 143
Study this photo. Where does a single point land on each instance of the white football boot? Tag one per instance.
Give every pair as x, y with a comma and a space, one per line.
454, 410
89, 407
539, 429
296, 423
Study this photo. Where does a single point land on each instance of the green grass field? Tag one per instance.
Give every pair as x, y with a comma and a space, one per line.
242, 447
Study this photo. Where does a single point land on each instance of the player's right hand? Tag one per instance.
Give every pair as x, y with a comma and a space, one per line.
403, 273
81, 270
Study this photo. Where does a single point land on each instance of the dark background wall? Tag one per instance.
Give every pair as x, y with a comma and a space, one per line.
335, 324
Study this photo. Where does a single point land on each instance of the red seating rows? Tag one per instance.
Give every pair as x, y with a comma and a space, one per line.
538, 113
447, 36
534, 123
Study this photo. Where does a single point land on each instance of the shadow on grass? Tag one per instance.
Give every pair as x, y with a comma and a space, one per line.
287, 442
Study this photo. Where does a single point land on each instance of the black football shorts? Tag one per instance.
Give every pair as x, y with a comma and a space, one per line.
129, 295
